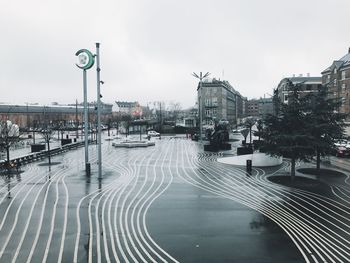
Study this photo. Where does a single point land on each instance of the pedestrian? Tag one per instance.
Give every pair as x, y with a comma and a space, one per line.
18, 165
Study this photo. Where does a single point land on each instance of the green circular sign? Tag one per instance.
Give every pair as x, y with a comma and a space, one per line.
85, 59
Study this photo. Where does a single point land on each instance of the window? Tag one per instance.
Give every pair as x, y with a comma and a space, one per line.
335, 82
343, 74
285, 97
214, 111
215, 101
207, 102
308, 87
189, 122
207, 112
343, 86
335, 70
328, 78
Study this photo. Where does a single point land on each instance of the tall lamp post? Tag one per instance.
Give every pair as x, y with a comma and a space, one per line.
85, 62
99, 155
200, 77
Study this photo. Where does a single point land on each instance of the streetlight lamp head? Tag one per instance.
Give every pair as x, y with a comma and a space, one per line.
195, 75
206, 75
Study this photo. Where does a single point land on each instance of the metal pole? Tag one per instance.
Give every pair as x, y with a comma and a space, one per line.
200, 100
160, 118
27, 119
98, 110
200, 107
76, 120
86, 124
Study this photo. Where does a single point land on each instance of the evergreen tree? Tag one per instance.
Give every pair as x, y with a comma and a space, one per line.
286, 132
326, 124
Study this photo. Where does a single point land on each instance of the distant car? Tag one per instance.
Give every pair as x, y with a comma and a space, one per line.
342, 151
195, 137
153, 133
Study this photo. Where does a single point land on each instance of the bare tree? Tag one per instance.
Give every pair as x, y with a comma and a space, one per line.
175, 108
9, 134
47, 133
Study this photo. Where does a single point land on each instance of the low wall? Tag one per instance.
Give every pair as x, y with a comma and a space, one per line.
258, 160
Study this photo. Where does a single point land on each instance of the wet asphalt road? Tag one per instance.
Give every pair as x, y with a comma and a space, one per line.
168, 203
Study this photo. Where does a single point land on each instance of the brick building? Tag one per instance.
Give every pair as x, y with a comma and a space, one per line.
259, 107
337, 78
35, 115
252, 108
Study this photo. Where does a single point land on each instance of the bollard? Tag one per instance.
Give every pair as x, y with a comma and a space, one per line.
249, 167
88, 169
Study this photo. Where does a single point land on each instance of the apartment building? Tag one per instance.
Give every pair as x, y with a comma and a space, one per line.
337, 78
220, 101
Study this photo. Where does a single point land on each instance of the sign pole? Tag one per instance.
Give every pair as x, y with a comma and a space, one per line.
85, 62
86, 126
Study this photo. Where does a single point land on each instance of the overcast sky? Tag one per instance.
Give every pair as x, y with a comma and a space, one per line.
149, 48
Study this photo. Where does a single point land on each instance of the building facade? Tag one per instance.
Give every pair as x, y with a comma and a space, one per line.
252, 108
125, 107
258, 108
188, 118
306, 86
337, 78
220, 101
265, 106
34, 116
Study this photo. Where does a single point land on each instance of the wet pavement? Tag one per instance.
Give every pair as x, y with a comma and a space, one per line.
167, 203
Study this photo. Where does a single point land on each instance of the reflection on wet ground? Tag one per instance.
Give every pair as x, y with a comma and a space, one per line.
170, 203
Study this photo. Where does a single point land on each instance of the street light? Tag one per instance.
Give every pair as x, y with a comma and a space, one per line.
200, 77
99, 82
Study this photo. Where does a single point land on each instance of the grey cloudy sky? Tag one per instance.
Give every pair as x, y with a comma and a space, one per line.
150, 47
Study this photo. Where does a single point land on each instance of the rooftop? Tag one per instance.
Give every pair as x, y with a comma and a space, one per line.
342, 62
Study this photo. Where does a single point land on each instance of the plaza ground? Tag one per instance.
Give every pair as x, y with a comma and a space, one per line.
172, 202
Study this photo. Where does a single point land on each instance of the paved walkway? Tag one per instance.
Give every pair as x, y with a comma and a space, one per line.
169, 203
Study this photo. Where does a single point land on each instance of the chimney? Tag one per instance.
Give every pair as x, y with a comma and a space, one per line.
300, 75
293, 75
308, 74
